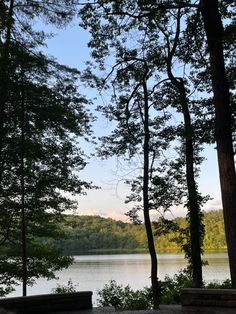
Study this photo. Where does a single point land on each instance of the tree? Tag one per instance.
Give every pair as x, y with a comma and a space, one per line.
190, 148
152, 11
140, 130
223, 123
6, 20
160, 52
43, 120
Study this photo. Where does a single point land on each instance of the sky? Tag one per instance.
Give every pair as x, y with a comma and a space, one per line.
69, 47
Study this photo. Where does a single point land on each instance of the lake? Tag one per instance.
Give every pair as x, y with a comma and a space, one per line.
92, 272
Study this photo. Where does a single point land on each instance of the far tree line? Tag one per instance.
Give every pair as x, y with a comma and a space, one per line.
169, 68
95, 234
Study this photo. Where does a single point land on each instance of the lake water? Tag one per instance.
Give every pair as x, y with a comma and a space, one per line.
92, 272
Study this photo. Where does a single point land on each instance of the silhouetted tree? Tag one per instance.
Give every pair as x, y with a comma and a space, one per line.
43, 119
148, 33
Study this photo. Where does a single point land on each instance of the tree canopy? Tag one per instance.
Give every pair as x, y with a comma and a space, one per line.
87, 234
171, 92
43, 118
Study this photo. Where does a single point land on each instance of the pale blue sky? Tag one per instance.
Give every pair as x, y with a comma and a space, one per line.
69, 46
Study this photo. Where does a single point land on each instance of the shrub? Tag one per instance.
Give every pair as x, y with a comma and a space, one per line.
171, 287
124, 298
226, 284
70, 287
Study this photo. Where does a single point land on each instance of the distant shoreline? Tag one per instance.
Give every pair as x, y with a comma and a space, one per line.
98, 235
136, 251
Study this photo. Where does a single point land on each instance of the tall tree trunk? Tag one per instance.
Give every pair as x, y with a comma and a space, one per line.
194, 208
22, 170
223, 133
147, 221
4, 63
193, 204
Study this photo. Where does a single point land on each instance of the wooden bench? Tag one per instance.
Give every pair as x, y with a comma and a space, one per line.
196, 300
47, 303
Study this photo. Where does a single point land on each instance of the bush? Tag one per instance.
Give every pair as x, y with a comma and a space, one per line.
124, 298
226, 284
69, 288
171, 287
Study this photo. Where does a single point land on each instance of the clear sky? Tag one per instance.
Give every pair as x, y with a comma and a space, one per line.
69, 47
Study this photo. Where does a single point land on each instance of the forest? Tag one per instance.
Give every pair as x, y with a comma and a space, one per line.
163, 76
87, 234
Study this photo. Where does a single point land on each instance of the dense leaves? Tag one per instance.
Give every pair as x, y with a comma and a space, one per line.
94, 233
43, 119
123, 298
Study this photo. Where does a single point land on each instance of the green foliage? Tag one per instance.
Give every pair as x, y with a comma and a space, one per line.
124, 298
88, 233
171, 287
214, 231
182, 234
6, 283
41, 122
69, 288
226, 284
174, 235
91, 233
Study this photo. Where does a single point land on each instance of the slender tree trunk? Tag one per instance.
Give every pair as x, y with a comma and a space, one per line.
193, 205
147, 221
194, 208
23, 216
223, 133
4, 63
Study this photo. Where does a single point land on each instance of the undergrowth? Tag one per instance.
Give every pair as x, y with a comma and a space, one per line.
124, 298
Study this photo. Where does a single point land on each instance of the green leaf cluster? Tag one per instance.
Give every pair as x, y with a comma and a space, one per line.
124, 298
97, 234
69, 288
42, 121
94, 233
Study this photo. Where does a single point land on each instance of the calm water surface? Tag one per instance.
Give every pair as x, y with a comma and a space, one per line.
92, 272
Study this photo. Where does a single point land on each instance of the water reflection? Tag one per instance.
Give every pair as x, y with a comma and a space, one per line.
91, 272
